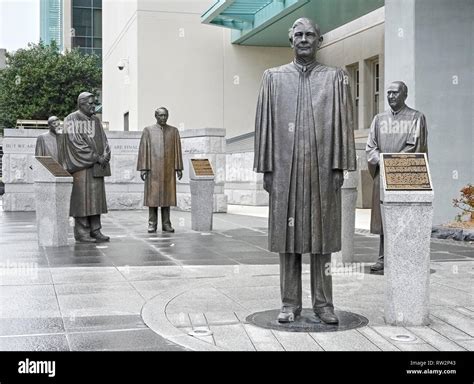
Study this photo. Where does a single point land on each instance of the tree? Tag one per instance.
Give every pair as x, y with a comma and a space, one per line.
39, 82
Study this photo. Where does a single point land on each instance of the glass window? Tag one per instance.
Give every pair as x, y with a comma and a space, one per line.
126, 122
84, 42
357, 84
97, 52
82, 3
353, 71
97, 43
86, 50
82, 21
97, 22
376, 87
97, 3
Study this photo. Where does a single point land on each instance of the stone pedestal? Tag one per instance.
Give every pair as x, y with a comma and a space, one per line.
206, 143
202, 200
407, 219
52, 195
349, 201
201, 204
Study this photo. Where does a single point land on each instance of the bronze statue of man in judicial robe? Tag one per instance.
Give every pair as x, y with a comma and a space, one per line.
159, 161
47, 143
86, 157
304, 141
399, 129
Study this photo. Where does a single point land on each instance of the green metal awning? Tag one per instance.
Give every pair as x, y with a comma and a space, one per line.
248, 17
266, 22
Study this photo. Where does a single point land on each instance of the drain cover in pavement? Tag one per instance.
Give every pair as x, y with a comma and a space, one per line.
200, 332
307, 322
403, 338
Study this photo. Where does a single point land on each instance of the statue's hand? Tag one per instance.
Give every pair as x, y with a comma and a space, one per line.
144, 175
267, 181
338, 179
180, 174
102, 161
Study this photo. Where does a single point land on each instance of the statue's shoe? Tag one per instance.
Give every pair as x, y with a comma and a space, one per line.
85, 239
100, 237
151, 229
327, 316
167, 228
287, 315
377, 267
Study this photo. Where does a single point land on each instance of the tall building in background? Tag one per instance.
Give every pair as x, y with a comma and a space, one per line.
73, 24
51, 22
86, 25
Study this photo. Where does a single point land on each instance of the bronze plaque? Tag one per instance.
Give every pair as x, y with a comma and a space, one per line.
53, 166
202, 167
406, 172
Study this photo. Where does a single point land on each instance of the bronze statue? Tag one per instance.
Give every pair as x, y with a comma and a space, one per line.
47, 143
159, 161
399, 129
304, 141
86, 157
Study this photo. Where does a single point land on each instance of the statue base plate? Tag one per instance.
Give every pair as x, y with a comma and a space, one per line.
307, 321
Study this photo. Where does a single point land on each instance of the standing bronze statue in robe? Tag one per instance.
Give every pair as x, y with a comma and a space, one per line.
47, 143
86, 157
399, 129
304, 141
159, 161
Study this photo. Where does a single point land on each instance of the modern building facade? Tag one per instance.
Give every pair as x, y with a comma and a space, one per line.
51, 21
204, 61
72, 24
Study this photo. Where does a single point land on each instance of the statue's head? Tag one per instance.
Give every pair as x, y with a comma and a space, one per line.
54, 125
397, 93
305, 38
161, 115
86, 103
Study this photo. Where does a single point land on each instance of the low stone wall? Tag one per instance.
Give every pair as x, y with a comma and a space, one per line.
243, 186
124, 188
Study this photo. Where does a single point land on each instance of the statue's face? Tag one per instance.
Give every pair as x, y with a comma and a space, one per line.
55, 125
87, 106
395, 96
305, 41
161, 117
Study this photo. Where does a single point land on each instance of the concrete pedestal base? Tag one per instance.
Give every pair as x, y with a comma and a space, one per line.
407, 229
52, 213
349, 201
52, 197
201, 204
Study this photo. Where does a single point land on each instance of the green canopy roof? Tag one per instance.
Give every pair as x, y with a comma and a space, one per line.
266, 22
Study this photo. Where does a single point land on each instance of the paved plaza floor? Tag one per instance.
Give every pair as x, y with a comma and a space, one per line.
194, 291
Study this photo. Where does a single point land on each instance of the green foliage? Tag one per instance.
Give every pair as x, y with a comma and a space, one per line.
39, 82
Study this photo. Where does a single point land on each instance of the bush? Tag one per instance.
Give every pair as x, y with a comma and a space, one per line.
39, 82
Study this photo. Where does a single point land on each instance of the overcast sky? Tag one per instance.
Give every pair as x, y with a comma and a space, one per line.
19, 23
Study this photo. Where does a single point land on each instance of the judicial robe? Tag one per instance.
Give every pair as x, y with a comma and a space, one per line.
47, 145
160, 154
303, 135
85, 141
392, 132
